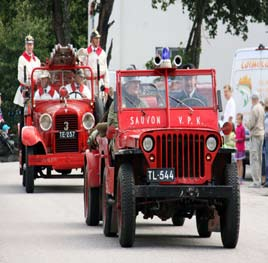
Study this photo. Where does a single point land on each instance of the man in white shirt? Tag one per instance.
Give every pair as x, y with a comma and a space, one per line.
27, 62
77, 87
94, 55
45, 91
230, 108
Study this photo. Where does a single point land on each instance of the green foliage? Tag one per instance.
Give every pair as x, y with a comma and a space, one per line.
234, 14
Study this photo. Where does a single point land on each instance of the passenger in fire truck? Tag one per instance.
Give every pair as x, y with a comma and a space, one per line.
44, 90
189, 96
77, 89
130, 94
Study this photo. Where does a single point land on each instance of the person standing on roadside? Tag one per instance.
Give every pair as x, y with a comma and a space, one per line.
256, 128
230, 108
240, 138
266, 141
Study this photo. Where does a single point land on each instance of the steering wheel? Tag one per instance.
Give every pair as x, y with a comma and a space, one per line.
193, 102
77, 93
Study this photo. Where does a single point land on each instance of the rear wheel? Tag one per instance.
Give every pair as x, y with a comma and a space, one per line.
126, 205
91, 202
107, 212
202, 224
29, 171
177, 220
230, 214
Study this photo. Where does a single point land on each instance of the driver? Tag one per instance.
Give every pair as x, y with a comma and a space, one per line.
45, 91
130, 94
190, 95
77, 87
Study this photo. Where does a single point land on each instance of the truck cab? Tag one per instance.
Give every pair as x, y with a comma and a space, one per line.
163, 158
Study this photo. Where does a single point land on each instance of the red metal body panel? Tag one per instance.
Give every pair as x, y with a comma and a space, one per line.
30, 136
59, 161
93, 168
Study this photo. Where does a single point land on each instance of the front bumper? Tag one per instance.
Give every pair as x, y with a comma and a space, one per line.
58, 161
184, 191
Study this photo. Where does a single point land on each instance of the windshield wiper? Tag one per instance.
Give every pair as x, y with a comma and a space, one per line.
181, 102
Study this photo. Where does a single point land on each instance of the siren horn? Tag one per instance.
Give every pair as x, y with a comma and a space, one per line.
157, 60
177, 61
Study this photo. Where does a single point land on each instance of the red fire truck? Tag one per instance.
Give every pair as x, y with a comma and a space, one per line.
55, 132
164, 157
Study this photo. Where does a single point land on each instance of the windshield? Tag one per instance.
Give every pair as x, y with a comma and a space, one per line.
193, 91
143, 92
150, 91
49, 84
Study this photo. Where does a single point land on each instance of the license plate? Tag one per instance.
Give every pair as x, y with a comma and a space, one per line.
161, 175
67, 135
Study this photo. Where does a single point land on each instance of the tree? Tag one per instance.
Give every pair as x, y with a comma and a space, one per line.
234, 14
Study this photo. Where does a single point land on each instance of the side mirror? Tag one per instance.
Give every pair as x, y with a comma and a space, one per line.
227, 128
219, 100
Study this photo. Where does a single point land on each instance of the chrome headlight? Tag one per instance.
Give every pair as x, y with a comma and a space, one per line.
147, 144
88, 121
211, 143
45, 122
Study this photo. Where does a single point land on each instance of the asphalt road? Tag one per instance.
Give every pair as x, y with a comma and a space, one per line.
48, 226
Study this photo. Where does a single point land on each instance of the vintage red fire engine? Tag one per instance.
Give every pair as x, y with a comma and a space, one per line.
164, 158
55, 132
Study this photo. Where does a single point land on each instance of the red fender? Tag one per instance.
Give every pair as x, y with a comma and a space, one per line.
93, 168
30, 136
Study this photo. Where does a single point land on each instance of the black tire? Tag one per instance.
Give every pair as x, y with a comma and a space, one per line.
107, 212
23, 178
230, 214
202, 224
29, 171
177, 220
126, 205
91, 203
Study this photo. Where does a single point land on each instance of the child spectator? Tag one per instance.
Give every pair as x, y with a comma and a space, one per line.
229, 140
240, 138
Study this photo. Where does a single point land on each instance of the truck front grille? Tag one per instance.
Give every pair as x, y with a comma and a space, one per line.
184, 152
66, 145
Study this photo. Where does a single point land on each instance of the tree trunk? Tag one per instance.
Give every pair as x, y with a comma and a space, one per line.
61, 21
193, 48
105, 10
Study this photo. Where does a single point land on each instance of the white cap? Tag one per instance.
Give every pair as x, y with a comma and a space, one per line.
255, 95
44, 74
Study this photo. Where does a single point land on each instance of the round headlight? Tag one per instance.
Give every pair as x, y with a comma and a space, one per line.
45, 121
147, 144
88, 121
211, 143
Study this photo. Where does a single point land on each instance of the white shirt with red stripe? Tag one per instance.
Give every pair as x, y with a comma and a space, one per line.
31, 62
47, 93
94, 55
75, 87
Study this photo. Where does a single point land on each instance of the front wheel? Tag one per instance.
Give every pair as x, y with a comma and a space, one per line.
230, 214
29, 171
91, 202
126, 205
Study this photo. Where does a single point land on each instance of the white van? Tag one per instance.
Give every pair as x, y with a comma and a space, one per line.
249, 73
